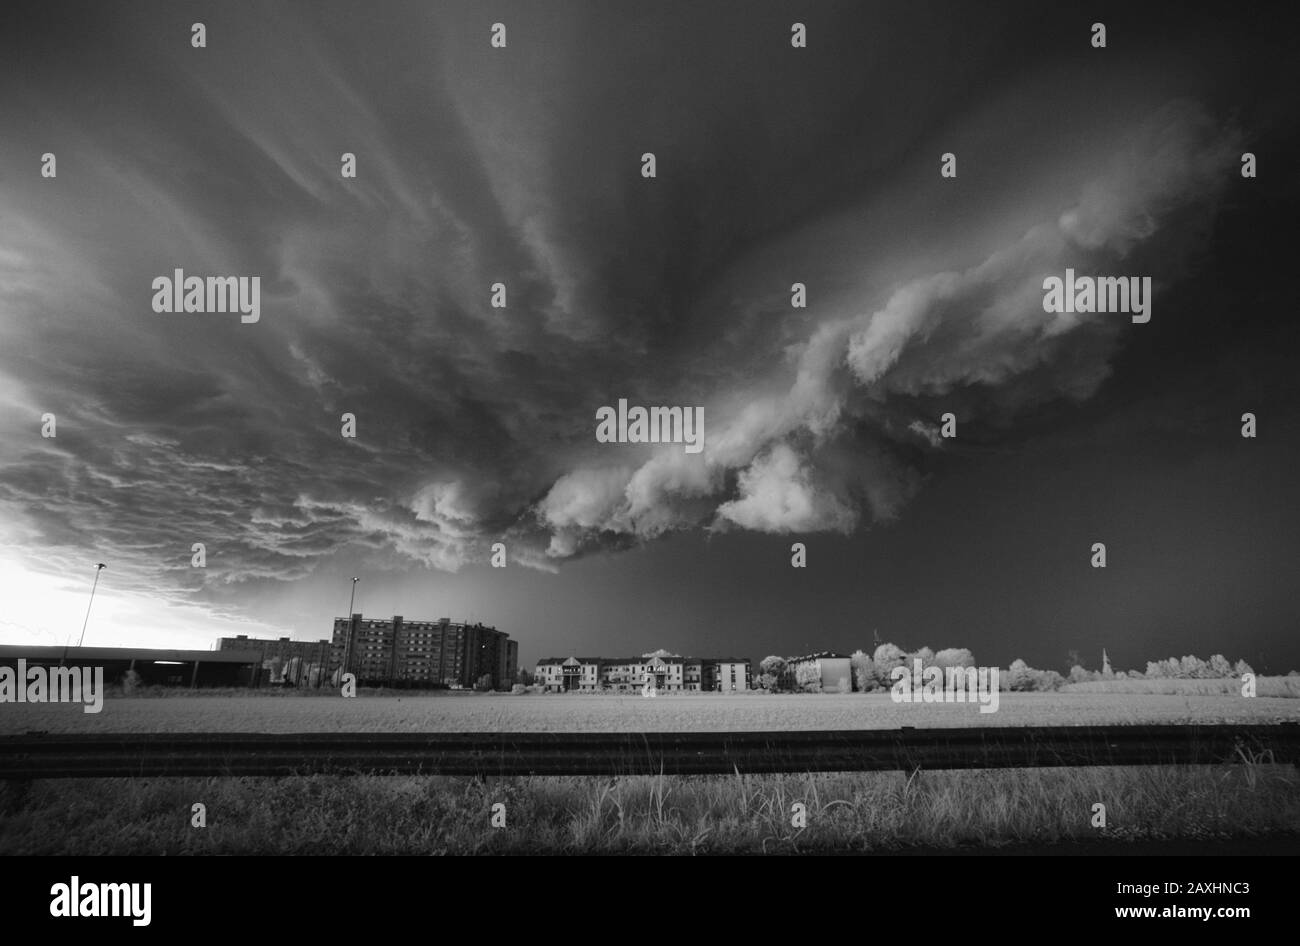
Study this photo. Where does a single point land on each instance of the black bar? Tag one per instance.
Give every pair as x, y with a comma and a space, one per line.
117, 755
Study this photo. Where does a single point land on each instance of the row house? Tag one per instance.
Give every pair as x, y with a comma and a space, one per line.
665, 674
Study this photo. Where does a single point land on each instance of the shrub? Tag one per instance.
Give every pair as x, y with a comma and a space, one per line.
954, 657
864, 674
924, 654
808, 677
773, 667
1079, 675
1047, 680
884, 660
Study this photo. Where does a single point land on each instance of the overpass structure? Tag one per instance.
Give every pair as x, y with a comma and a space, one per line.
156, 667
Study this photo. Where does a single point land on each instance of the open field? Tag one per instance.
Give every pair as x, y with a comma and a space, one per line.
1251, 802
886, 811
1265, 686
489, 712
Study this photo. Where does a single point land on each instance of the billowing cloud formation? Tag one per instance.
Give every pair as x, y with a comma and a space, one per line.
942, 335
475, 424
777, 495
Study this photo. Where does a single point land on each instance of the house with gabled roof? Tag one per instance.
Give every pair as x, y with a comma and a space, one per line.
657, 672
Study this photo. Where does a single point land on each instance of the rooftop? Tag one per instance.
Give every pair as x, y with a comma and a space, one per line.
109, 654
547, 661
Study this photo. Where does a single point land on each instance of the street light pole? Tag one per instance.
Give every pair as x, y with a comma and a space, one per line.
93, 585
347, 645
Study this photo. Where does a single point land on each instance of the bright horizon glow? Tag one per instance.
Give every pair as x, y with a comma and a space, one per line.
46, 610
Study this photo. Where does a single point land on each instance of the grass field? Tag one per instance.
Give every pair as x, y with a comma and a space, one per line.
1253, 802
490, 712
1265, 686
883, 811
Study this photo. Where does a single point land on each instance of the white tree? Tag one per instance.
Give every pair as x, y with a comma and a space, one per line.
808, 677
1020, 676
1220, 667
954, 657
773, 668
884, 660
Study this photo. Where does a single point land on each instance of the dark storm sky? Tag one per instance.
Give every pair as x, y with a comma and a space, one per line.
775, 165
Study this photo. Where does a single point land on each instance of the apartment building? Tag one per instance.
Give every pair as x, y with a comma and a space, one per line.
397, 652
666, 674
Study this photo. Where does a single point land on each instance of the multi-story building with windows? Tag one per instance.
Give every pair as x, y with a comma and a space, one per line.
397, 652
669, 674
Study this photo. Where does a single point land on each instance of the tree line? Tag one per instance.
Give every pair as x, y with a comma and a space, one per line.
874, 671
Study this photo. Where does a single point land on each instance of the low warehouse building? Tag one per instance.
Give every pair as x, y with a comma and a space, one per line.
834, 672
189, 668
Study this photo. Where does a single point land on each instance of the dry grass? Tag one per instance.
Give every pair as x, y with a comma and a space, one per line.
673, 814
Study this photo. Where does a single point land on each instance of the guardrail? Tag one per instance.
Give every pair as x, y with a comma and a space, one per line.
40, 755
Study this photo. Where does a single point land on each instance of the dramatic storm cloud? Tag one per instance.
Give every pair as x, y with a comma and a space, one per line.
476, 424
816, 455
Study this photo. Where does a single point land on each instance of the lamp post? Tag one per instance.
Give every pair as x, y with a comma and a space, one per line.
93, 585
347, 645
